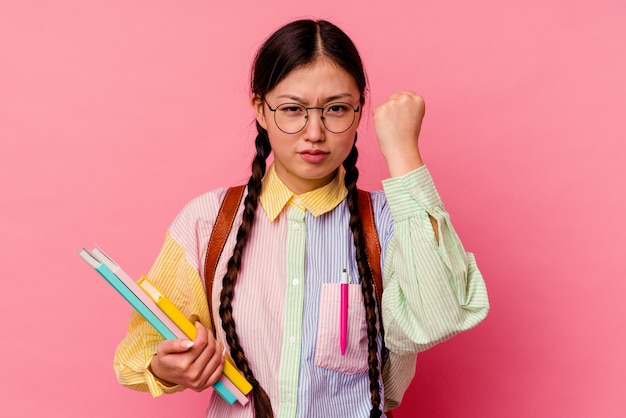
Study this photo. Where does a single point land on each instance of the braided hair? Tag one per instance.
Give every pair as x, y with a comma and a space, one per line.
262, 405
298, 44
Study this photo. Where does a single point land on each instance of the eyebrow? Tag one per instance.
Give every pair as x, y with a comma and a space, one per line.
298, 99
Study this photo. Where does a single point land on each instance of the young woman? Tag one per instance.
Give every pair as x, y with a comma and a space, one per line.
275, 297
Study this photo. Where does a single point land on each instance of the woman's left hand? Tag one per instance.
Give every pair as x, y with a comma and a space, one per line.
397, 122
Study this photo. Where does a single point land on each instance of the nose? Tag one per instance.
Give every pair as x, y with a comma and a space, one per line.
315, 130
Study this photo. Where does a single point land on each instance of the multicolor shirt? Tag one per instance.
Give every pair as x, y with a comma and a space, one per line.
286, 302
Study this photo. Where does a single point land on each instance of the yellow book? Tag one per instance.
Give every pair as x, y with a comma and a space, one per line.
234, 375
168, 308
229, 370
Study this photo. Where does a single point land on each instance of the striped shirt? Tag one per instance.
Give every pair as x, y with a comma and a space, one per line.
286, 302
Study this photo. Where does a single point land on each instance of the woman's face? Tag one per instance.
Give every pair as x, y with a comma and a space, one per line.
309, 159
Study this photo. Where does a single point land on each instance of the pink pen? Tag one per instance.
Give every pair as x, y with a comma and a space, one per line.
345, 283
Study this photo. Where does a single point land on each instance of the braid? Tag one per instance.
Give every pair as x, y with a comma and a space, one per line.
367, 287
262, 404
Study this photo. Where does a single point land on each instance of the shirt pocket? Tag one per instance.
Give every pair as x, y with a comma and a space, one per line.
328, 347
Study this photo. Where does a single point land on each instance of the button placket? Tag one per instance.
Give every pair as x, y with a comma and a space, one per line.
294, 303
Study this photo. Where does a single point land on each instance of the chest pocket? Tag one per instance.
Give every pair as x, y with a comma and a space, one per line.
328, 347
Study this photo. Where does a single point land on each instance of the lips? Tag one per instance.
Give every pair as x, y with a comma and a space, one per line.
313, 155
313, 152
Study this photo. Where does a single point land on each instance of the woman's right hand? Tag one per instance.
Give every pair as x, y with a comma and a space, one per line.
196, 365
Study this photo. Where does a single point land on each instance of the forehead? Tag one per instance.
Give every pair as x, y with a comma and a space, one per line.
316, 82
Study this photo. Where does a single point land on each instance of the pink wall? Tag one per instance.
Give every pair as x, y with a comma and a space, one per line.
114, 114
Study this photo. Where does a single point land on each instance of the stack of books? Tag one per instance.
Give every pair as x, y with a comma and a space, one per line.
165, 317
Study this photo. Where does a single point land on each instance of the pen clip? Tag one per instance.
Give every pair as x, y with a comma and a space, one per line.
345, 277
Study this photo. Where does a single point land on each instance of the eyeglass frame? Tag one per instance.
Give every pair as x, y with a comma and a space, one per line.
306, 117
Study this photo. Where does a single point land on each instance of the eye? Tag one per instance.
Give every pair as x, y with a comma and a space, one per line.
290, 109
337, 109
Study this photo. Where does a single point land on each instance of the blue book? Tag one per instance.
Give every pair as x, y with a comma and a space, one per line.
121, 288
226, 394
140, 307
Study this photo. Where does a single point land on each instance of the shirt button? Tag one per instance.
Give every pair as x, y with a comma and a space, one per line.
295, 282
296, 226
415, 192
292, 340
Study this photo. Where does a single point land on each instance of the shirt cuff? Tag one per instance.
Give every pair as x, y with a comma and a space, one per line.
156, 386
415, 188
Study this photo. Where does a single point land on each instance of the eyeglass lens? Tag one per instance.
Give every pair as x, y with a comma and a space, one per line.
293, 117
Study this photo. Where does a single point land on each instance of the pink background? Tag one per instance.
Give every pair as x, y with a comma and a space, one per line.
113, 114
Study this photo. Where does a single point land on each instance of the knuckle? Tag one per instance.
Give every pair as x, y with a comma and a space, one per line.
198, 384
185, 366
201, 342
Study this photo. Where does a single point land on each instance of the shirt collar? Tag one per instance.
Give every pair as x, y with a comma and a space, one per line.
275, 195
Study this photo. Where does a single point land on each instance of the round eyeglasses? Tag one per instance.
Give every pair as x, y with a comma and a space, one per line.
291, 118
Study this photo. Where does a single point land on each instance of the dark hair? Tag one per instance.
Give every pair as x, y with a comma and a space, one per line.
294, 45
301, 43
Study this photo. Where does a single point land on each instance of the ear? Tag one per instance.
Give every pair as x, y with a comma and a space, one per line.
359, 114
258, 107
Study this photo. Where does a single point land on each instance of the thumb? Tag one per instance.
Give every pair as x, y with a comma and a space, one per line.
180, 345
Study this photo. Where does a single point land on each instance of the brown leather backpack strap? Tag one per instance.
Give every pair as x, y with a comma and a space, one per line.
372, 245
219, 235
373, 250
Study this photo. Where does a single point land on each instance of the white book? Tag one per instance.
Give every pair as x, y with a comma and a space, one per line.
134, 287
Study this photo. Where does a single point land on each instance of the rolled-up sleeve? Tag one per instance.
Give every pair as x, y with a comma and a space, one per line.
432, 289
